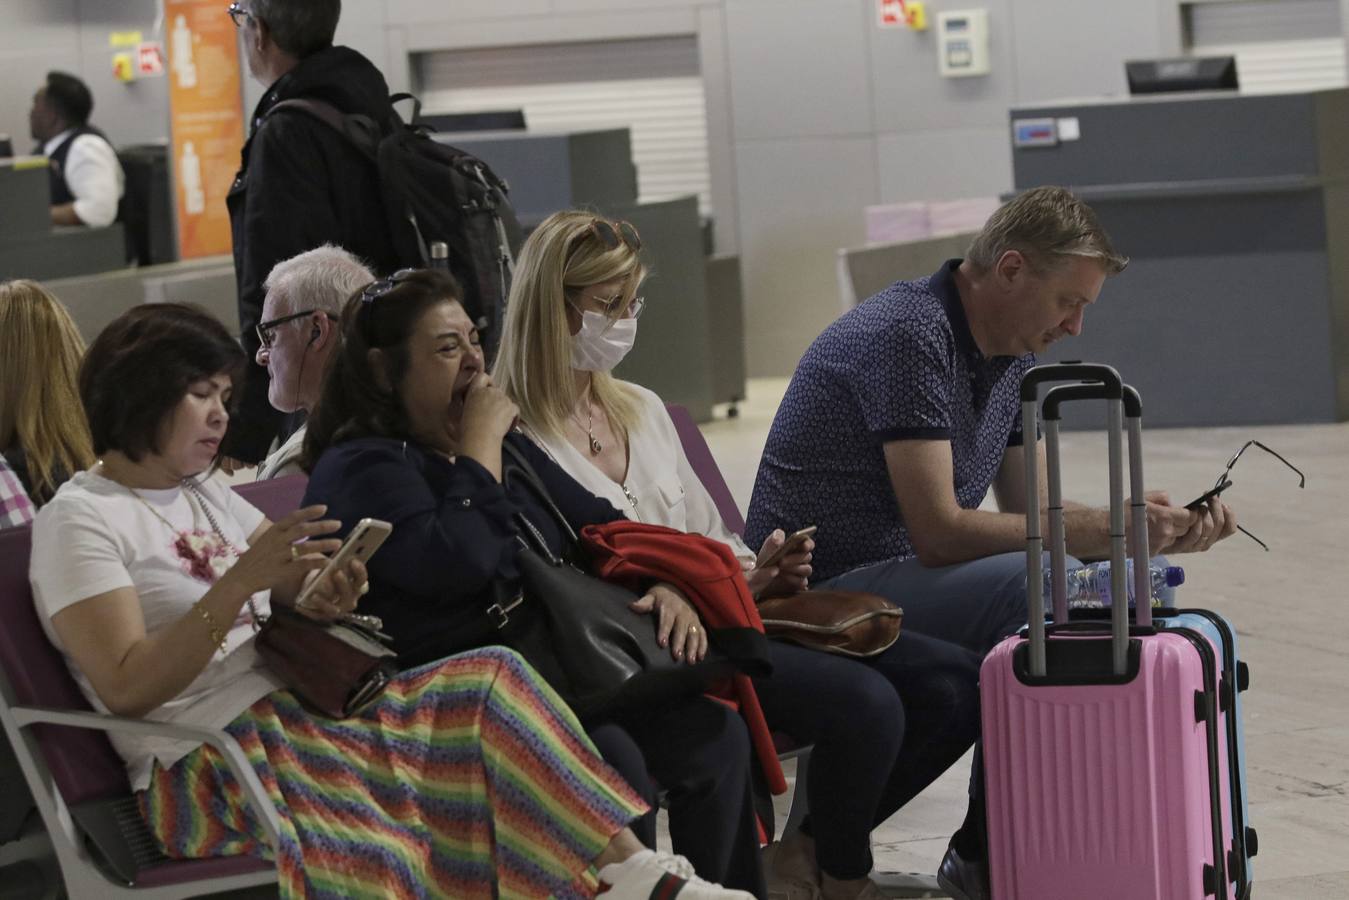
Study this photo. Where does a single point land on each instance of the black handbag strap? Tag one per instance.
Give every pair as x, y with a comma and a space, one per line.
523, 470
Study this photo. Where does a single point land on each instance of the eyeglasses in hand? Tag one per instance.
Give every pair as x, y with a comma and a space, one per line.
1224, 482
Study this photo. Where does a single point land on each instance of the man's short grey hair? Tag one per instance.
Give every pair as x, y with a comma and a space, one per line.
323, 278
299, 27
1046, 225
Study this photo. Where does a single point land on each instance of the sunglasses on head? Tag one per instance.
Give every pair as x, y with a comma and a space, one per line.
376, 289
611, 235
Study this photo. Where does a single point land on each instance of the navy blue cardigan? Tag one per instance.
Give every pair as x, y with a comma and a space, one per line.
454, 533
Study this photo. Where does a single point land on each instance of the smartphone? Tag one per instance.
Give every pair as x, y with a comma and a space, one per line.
361, 544
1208, 495
793, 541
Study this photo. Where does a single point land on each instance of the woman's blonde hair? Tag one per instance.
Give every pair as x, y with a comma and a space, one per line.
533, 366
40, 410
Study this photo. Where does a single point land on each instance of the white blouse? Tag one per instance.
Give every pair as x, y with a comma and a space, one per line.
661, 487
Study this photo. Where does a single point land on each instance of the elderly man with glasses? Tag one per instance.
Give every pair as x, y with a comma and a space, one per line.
297, 334
301, 184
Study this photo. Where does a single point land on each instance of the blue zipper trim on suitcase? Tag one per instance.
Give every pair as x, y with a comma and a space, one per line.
1240, 851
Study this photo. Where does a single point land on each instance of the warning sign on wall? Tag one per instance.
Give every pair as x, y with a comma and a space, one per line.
891, 13
150, 58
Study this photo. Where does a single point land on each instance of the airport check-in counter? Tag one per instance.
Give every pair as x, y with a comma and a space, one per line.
690, 344
30, 247
1234, 211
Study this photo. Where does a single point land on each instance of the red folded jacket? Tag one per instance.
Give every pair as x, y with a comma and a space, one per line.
707, 572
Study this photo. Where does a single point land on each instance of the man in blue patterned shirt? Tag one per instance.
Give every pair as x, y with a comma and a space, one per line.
905, 411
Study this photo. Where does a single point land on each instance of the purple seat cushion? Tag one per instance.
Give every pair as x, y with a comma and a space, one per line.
187, 870
700, 457
82, 761
276, 498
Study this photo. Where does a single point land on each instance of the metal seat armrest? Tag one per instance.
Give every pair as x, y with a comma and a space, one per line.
221, 741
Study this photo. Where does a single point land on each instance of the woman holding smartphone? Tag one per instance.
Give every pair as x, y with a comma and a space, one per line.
467, 777
882, 731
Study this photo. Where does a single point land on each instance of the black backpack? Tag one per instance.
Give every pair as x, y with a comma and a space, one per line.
434, 192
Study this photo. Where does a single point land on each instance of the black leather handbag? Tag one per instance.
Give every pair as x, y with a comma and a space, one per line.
578, 631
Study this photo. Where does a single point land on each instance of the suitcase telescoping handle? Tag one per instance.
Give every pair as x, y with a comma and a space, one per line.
1138, 508
1101, 382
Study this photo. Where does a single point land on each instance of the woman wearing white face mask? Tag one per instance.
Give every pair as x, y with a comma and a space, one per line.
572, 317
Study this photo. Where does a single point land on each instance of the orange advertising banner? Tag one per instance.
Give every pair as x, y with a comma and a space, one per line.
207, 120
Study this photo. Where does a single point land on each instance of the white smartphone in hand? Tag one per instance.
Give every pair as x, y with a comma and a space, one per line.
361, 544
790, 545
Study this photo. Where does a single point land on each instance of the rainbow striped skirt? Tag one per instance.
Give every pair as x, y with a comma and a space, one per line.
468, 778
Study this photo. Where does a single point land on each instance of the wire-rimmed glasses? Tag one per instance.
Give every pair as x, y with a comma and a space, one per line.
1224, 480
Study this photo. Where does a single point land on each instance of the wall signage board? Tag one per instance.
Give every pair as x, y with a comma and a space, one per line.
891, 13
207, 121
149, 58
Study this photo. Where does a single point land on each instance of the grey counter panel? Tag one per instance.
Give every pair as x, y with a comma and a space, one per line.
548, 172
672, 356
726, 328
62, 252
95, 300
25, 199
1235, 213
1194, 138
868, 270
1221, 317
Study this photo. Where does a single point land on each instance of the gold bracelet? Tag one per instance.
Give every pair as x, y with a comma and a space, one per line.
217, 636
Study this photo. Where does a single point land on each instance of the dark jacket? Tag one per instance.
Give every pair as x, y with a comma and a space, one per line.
454, 533
301, 184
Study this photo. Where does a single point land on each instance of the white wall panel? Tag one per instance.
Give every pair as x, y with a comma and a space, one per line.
652, 87
1280, 45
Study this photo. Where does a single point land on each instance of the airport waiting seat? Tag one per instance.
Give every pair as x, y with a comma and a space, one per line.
277, 498
79, 783
705, 467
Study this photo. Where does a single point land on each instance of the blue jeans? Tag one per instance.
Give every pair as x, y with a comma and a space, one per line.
974, 604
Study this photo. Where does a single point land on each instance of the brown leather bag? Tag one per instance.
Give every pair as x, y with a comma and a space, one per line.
335, 668
851, 623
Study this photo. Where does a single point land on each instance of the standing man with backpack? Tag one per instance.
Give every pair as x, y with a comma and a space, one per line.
301, 183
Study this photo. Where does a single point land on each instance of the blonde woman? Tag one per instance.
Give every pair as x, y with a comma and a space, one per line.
43, 434
882, 730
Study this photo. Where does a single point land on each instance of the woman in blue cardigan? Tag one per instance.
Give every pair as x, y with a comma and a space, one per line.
410, 429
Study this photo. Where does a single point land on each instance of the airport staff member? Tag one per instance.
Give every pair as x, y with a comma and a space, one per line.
86, 179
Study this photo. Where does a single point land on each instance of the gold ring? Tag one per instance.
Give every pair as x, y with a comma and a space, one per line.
294, 551
693, 629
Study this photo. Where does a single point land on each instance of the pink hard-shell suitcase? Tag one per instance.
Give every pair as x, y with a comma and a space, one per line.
1102, 742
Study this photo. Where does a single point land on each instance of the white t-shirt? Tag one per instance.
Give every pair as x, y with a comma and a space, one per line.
95, 536
93, 175
661, 487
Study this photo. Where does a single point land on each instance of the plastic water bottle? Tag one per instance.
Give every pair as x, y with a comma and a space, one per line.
1089, 586
440, 255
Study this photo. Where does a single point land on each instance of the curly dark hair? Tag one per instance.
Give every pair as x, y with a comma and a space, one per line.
70, 97
139, 368
353, 404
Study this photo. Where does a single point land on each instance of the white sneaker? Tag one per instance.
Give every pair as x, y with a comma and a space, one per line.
649, 875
